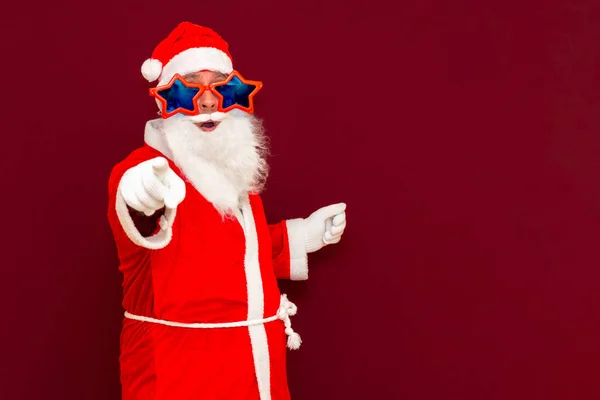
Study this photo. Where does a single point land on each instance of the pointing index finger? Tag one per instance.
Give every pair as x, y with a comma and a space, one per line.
160, 166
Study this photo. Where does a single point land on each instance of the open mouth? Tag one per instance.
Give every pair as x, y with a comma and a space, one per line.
208, 125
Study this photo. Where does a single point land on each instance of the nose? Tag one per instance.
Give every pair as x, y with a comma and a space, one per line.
207, 102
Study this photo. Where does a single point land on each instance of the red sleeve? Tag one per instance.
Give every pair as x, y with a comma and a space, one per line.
281, 250
290, 260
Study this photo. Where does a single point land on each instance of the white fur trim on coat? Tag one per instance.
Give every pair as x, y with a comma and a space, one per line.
296, 229
154, 242
194, 60
256, 303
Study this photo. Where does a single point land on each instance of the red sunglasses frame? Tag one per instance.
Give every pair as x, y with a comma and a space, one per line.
202, 88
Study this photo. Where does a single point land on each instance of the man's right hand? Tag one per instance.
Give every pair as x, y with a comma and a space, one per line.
152, 185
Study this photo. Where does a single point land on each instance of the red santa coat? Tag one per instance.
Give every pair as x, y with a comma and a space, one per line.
195, 267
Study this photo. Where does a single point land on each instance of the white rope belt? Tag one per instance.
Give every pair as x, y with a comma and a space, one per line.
286, 310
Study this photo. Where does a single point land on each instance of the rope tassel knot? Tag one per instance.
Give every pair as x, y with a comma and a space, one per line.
286, 310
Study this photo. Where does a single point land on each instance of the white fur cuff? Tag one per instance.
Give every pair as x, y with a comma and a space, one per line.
296, 229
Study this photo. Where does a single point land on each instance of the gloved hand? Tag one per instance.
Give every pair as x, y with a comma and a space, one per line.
152, 185
325, 226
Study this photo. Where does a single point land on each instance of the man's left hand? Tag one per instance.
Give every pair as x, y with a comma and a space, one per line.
325, 226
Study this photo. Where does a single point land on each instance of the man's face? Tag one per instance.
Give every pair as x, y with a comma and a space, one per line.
208, 102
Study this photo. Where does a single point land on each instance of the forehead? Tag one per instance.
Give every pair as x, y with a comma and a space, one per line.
204, 76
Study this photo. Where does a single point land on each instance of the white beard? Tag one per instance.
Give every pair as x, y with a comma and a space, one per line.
223, 165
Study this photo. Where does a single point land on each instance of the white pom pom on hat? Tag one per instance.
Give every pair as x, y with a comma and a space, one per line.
188, 48
151, 69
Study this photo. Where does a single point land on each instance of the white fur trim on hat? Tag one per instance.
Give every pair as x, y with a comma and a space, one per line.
151, 69
196, 59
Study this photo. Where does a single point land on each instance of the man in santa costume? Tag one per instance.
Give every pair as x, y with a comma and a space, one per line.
204, 318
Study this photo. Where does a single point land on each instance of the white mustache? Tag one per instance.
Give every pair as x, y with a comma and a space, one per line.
216, 116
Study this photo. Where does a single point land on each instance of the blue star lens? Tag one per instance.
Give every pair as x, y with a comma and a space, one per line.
235, 92
179, 96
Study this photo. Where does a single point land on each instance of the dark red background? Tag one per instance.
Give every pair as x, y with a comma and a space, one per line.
463, 135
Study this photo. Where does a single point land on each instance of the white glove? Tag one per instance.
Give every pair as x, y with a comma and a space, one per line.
325, 226
152, 185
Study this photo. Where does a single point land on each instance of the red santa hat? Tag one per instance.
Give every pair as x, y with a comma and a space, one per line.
188, 48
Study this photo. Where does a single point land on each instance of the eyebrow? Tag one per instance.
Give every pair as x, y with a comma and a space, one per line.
193, 76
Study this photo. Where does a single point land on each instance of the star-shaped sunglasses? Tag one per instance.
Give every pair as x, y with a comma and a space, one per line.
180, 96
